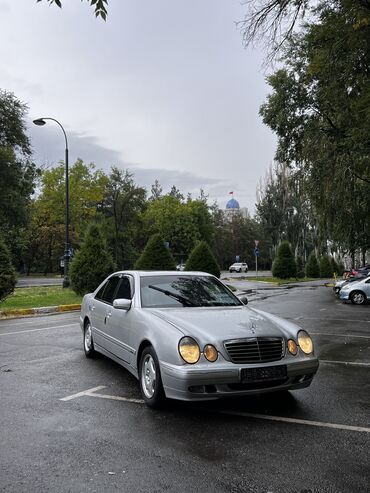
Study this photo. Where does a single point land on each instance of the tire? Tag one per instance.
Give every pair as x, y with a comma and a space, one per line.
88, 342
230, 271
239, 271
358, 298
150, 379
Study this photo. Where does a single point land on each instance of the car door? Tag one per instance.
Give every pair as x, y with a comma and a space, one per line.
119, 322
101, 310
367, 288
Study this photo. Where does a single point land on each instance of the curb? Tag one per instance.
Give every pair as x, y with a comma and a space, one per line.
44, 310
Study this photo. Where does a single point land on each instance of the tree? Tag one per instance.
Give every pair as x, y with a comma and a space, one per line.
92, 263
87, 189
18, 173
7, 272
326, 266
123, 203
100, 6
155, 256
202, 259
312, 267
284, 265
319, 111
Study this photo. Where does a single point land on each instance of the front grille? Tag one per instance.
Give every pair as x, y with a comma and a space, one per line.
255, 350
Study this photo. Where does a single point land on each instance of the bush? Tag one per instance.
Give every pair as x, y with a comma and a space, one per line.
155, 256
92, 263
201, 258
284, 265
312, 267
300, 270
326, 266
7, 273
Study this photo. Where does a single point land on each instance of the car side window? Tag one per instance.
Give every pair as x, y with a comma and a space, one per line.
124, 289
109, 290
99, 294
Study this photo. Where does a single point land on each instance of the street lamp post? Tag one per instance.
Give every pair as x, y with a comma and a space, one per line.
40, 122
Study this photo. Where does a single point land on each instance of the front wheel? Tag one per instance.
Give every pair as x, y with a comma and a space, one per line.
358, 298
150, 379
88, 341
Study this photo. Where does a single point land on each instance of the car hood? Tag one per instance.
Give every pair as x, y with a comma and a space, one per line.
217, 324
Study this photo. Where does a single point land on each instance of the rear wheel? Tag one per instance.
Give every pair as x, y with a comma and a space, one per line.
88, 341
150, 379
358, 298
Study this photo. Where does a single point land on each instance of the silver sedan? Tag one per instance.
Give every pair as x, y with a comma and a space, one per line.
358, 292
186, 336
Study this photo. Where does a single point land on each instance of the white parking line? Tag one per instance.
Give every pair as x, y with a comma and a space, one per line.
347, 363
37, 330
92, 393
327, 319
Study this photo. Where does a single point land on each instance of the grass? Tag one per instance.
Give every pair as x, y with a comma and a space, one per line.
36, 297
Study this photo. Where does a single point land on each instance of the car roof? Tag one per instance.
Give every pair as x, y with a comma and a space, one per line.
146, 273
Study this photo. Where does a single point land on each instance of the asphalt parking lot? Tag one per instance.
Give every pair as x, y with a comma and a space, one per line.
73, 424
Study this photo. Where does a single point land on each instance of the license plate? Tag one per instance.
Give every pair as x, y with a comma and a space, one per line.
262, 374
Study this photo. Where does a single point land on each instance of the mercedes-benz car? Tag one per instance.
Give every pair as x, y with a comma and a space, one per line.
186, 336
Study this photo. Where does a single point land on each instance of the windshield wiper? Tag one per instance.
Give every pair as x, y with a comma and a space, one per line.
175, 296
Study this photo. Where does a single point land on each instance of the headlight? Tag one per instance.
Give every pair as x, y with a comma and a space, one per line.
305, 342
210, 353
292, 347
189, 350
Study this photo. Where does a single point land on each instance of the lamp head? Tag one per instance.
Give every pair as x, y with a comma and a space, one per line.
40, 122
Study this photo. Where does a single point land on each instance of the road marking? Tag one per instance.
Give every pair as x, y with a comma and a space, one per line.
336, 335
321, 424
348, 363
36, 330
92, 393
322, 309
32, 321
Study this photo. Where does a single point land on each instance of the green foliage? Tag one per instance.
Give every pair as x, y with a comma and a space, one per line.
334, 266
312, 267
284, 265
92, 263
155, 256
17, 173
7, 272
319, 109
202, 259
300, 270
326, 268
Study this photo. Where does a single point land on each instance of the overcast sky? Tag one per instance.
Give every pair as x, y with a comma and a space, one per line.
164, 88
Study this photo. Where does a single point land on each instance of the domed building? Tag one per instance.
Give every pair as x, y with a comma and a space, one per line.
233, 208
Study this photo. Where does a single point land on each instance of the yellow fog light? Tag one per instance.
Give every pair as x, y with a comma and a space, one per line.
210, 352
189, 350
305, 342
292, 347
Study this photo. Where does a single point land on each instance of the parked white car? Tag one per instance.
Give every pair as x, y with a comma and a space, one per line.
238, 267
357, 292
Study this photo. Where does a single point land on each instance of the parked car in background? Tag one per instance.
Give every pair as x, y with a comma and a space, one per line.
186, 336
180, 267
357, 292
238, 267
342, 282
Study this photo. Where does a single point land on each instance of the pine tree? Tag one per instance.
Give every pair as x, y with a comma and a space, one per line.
284, 265
92, 263
326, 267
312, 267
201, 258
155, 256
7, 272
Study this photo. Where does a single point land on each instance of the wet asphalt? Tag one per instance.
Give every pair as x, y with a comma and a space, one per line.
311, 440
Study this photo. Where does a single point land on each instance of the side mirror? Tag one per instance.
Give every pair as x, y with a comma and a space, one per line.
244, 300
122, 304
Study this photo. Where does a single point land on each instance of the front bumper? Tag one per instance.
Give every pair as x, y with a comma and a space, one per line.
197, 384
344, 295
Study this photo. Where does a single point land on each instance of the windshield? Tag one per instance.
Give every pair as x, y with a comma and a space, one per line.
184, 291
